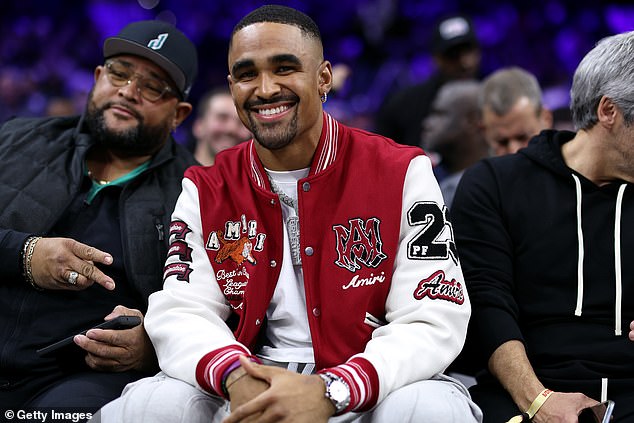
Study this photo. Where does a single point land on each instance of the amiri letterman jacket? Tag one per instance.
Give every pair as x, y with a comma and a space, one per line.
384, 290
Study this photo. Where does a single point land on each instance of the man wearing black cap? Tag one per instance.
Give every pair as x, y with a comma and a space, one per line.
456, 53
86, 202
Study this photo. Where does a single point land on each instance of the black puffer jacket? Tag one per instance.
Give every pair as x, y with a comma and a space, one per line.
33, 198
41, 173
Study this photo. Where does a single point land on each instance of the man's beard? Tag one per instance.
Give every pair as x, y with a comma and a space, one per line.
274, 137
141, 140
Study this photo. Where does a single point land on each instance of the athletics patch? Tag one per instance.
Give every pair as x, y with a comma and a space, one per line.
181, 270
180, 249
437, 287
179, 229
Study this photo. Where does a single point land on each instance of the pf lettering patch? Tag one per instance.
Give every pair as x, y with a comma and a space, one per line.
435, 239
437, 287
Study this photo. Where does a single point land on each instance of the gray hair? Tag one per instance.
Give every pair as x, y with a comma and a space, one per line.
607, 70
504, 87
462, 93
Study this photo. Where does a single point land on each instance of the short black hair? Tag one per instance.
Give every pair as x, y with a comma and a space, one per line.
280, 14
203, 103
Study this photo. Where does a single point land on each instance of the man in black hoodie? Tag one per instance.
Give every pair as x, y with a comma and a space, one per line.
542, 237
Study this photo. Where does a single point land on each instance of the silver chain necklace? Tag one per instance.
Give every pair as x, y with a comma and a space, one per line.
292, 223
283, 197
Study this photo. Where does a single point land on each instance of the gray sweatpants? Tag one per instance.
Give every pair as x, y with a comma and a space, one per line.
161, 399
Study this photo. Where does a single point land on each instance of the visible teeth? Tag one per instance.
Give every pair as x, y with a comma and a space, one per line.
271, 112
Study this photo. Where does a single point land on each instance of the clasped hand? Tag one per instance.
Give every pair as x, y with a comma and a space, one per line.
273, 394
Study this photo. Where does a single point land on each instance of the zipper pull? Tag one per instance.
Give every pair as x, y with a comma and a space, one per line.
159, 229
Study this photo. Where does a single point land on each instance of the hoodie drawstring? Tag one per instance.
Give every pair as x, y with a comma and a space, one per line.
617, 256
617, 260
581, 248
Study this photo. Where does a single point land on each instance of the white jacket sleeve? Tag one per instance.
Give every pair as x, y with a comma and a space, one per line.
186, 320
428, 308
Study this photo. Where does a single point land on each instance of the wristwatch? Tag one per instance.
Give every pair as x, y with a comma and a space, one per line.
337, 391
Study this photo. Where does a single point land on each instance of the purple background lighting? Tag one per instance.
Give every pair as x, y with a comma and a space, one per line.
48, 49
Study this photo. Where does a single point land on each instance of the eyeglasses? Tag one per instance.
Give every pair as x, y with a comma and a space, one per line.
151, 89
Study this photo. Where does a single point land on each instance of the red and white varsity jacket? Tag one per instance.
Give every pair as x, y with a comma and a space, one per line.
384, 290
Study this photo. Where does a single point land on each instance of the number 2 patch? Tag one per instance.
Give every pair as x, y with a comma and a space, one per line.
434, 241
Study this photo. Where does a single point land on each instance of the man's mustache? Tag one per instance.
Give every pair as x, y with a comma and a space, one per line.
126, 106
264, 102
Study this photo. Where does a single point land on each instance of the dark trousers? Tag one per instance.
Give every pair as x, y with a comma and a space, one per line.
83, 392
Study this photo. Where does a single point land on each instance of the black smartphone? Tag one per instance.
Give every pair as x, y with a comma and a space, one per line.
119, 322
600, 413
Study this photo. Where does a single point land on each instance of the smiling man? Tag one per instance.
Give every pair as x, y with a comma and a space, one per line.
85, 203
313, 270
217, 125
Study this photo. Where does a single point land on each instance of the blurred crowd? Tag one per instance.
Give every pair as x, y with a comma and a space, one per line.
378, 46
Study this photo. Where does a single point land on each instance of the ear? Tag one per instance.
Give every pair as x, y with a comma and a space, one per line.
325, 77
546, 116
183, 109
607, 111
97, 72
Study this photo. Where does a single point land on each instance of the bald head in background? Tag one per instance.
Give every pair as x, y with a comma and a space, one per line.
453, 130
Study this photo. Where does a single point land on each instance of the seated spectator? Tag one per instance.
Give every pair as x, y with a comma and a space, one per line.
258, 318
453, 130
86, 202
512, 110
456, 53
217, 126
544, 242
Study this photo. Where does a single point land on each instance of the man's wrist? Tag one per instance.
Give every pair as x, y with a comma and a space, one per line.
538, 402
337, 391
26, 256
234, 376
233, 372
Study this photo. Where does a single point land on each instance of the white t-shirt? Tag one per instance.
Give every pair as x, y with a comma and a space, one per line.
287, 329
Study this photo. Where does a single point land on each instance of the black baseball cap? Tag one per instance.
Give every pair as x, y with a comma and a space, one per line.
452, 32
161, 43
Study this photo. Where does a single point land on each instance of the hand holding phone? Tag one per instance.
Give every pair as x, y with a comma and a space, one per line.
119, 322
600, 413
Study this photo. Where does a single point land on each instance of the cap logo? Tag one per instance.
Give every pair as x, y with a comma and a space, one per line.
454, 27
157, 43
